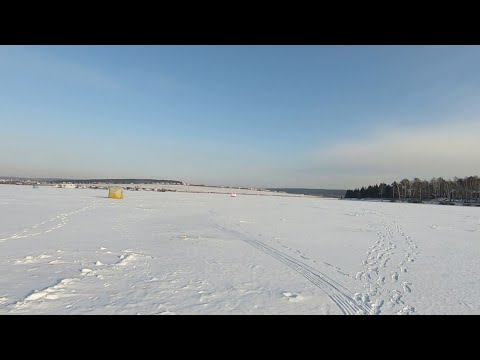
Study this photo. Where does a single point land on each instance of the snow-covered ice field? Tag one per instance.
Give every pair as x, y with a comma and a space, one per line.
74, 251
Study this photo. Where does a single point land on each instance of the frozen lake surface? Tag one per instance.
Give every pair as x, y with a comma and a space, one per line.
74, 251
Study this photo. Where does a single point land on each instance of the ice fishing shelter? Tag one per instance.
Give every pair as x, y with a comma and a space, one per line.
115, 192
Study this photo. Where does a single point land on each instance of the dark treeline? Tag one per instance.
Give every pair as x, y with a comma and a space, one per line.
466, 189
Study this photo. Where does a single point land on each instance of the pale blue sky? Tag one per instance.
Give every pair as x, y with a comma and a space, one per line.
296, 116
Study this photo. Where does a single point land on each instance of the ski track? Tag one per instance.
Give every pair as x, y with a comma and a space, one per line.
48, 226
305, 257
340, 296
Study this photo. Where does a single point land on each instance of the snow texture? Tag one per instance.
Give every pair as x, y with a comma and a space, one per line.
74, 251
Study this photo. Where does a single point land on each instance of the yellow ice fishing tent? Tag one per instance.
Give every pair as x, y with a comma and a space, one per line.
115, 192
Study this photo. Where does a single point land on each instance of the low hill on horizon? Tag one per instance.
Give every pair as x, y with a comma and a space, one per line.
313, 192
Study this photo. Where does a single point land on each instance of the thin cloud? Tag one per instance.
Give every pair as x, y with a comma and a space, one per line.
448, 150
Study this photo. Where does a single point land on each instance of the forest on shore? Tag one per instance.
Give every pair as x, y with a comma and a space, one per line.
417, 190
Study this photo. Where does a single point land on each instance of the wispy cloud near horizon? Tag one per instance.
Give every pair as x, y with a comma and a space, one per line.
444, 149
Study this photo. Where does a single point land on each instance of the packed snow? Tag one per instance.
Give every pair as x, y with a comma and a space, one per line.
75, 251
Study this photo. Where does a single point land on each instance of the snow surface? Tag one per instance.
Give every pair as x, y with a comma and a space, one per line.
74, 251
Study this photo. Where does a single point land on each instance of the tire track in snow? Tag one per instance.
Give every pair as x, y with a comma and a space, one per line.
335, 291
305, 257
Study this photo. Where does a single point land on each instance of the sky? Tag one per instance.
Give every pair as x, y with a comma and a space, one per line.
332, 117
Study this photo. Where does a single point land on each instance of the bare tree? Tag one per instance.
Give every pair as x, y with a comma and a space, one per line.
397, 185
381, 187
405, 185
416, 187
